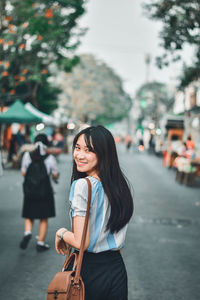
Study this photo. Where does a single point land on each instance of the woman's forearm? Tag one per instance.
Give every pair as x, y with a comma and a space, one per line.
70, 239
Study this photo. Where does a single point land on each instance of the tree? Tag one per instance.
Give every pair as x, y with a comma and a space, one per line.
181, 25
154, 100
93, 92
33, 35
190, 73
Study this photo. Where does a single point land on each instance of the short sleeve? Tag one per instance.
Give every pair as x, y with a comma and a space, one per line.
26, 160
79, 197
53, 165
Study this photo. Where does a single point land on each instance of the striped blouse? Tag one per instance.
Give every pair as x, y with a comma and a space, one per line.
100, 238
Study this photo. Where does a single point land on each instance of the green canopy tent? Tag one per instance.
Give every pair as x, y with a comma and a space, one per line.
46, 119
17, 113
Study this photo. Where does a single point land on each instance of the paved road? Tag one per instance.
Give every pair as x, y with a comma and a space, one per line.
162, 252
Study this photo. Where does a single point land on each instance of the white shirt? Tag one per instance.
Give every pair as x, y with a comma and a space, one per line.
50, 163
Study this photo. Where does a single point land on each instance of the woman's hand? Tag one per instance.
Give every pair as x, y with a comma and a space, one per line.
60, 245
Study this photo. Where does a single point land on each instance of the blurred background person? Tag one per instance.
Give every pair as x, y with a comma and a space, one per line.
12, 147
146, 138
128, 141
58, 139
37, 167
190, 143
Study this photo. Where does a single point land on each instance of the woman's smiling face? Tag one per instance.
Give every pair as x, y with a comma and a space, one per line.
86, 160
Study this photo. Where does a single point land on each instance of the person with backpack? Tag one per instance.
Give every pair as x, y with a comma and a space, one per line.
37, 168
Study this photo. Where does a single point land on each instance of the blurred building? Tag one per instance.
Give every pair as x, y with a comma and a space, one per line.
187, 102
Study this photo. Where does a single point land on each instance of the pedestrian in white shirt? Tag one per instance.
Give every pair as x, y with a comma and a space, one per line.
37, 168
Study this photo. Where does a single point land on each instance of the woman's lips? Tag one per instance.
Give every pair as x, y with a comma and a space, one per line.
80, 163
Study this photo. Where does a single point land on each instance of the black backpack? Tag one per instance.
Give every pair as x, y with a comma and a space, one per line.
37, 185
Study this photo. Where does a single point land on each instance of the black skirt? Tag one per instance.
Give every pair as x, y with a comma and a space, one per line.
34, 209
104, 275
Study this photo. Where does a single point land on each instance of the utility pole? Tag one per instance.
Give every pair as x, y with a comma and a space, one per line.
147, 62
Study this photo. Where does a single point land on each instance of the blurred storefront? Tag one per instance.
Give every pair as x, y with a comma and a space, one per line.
192, 112
187, 156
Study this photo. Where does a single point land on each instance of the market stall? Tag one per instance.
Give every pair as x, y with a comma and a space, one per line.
16, 113
174, 128
187, 167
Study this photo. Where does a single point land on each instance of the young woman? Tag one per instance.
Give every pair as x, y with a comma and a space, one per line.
37, 167
103, 270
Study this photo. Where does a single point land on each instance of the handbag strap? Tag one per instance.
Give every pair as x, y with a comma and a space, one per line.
68, 260
80, 256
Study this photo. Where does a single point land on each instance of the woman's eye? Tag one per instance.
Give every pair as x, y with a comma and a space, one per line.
77, 147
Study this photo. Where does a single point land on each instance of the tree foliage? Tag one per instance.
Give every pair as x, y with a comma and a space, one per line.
154, 99
33, 35
93, 92
190, 73
181, 25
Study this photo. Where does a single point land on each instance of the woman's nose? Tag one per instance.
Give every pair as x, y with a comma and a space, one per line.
80, 154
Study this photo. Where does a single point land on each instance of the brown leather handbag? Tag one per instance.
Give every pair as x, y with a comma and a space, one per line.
68, 285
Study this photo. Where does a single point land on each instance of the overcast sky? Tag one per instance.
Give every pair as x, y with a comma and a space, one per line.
121, 36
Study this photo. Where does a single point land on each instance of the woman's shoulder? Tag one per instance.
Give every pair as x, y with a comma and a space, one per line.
26, 155
49, 158
80, 183
78, 189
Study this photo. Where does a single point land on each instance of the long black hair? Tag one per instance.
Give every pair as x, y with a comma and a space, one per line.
42, 137
100, 141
